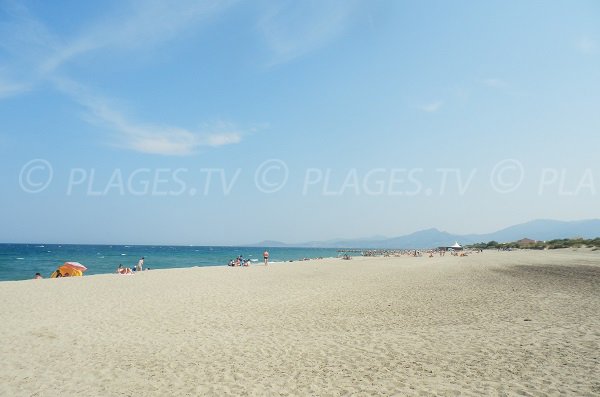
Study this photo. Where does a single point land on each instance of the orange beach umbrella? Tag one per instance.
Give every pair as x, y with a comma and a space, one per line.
75, 265
73, 269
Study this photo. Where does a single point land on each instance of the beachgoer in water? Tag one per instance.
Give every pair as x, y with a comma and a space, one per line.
38, 276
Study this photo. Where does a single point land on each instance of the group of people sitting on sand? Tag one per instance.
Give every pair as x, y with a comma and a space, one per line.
127, 270
418, 253
239, 261
124, 270
389, 252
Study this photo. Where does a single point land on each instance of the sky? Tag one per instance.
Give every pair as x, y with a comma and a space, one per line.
232, 122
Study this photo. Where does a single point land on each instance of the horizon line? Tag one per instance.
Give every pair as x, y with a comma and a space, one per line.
299, 245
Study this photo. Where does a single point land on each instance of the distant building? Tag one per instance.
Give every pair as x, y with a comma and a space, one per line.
524, 242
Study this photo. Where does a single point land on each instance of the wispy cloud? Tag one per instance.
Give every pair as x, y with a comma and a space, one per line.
293, 29
144, 137
25, 42
150, 23
586, 45
23, 36
503, 87
9, 88
495, 83
432, 106
38, 52
39, 55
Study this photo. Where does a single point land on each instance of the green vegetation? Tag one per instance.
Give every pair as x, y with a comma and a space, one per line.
541, 245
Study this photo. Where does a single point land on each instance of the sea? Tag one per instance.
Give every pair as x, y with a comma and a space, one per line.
22, 261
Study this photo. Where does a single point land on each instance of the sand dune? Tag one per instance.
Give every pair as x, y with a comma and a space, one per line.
492, 323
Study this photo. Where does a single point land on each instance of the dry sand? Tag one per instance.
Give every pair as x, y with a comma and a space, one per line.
493, 323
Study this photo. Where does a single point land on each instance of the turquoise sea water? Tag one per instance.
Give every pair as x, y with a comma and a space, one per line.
22, 261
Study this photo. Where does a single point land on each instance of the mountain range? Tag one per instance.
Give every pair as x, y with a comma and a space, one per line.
540, 229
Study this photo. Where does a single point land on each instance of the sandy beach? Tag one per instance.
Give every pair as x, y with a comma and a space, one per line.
495, 323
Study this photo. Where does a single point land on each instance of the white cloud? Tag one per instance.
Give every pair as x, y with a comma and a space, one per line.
221, 133
586, 45
152, 138
432, 106
295, 28
224, 138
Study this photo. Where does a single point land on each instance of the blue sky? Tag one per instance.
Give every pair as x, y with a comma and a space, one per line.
343, 96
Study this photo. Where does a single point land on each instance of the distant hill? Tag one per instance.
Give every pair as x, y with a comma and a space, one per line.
546, 229
541, 229
270, 243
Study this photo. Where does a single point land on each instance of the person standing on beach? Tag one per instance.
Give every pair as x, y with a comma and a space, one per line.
266, 257
140, 265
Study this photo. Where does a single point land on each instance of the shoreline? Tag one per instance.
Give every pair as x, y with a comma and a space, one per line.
23, 262
296, 261
253, 264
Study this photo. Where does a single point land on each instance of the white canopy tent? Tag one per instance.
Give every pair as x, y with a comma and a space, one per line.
455, 247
